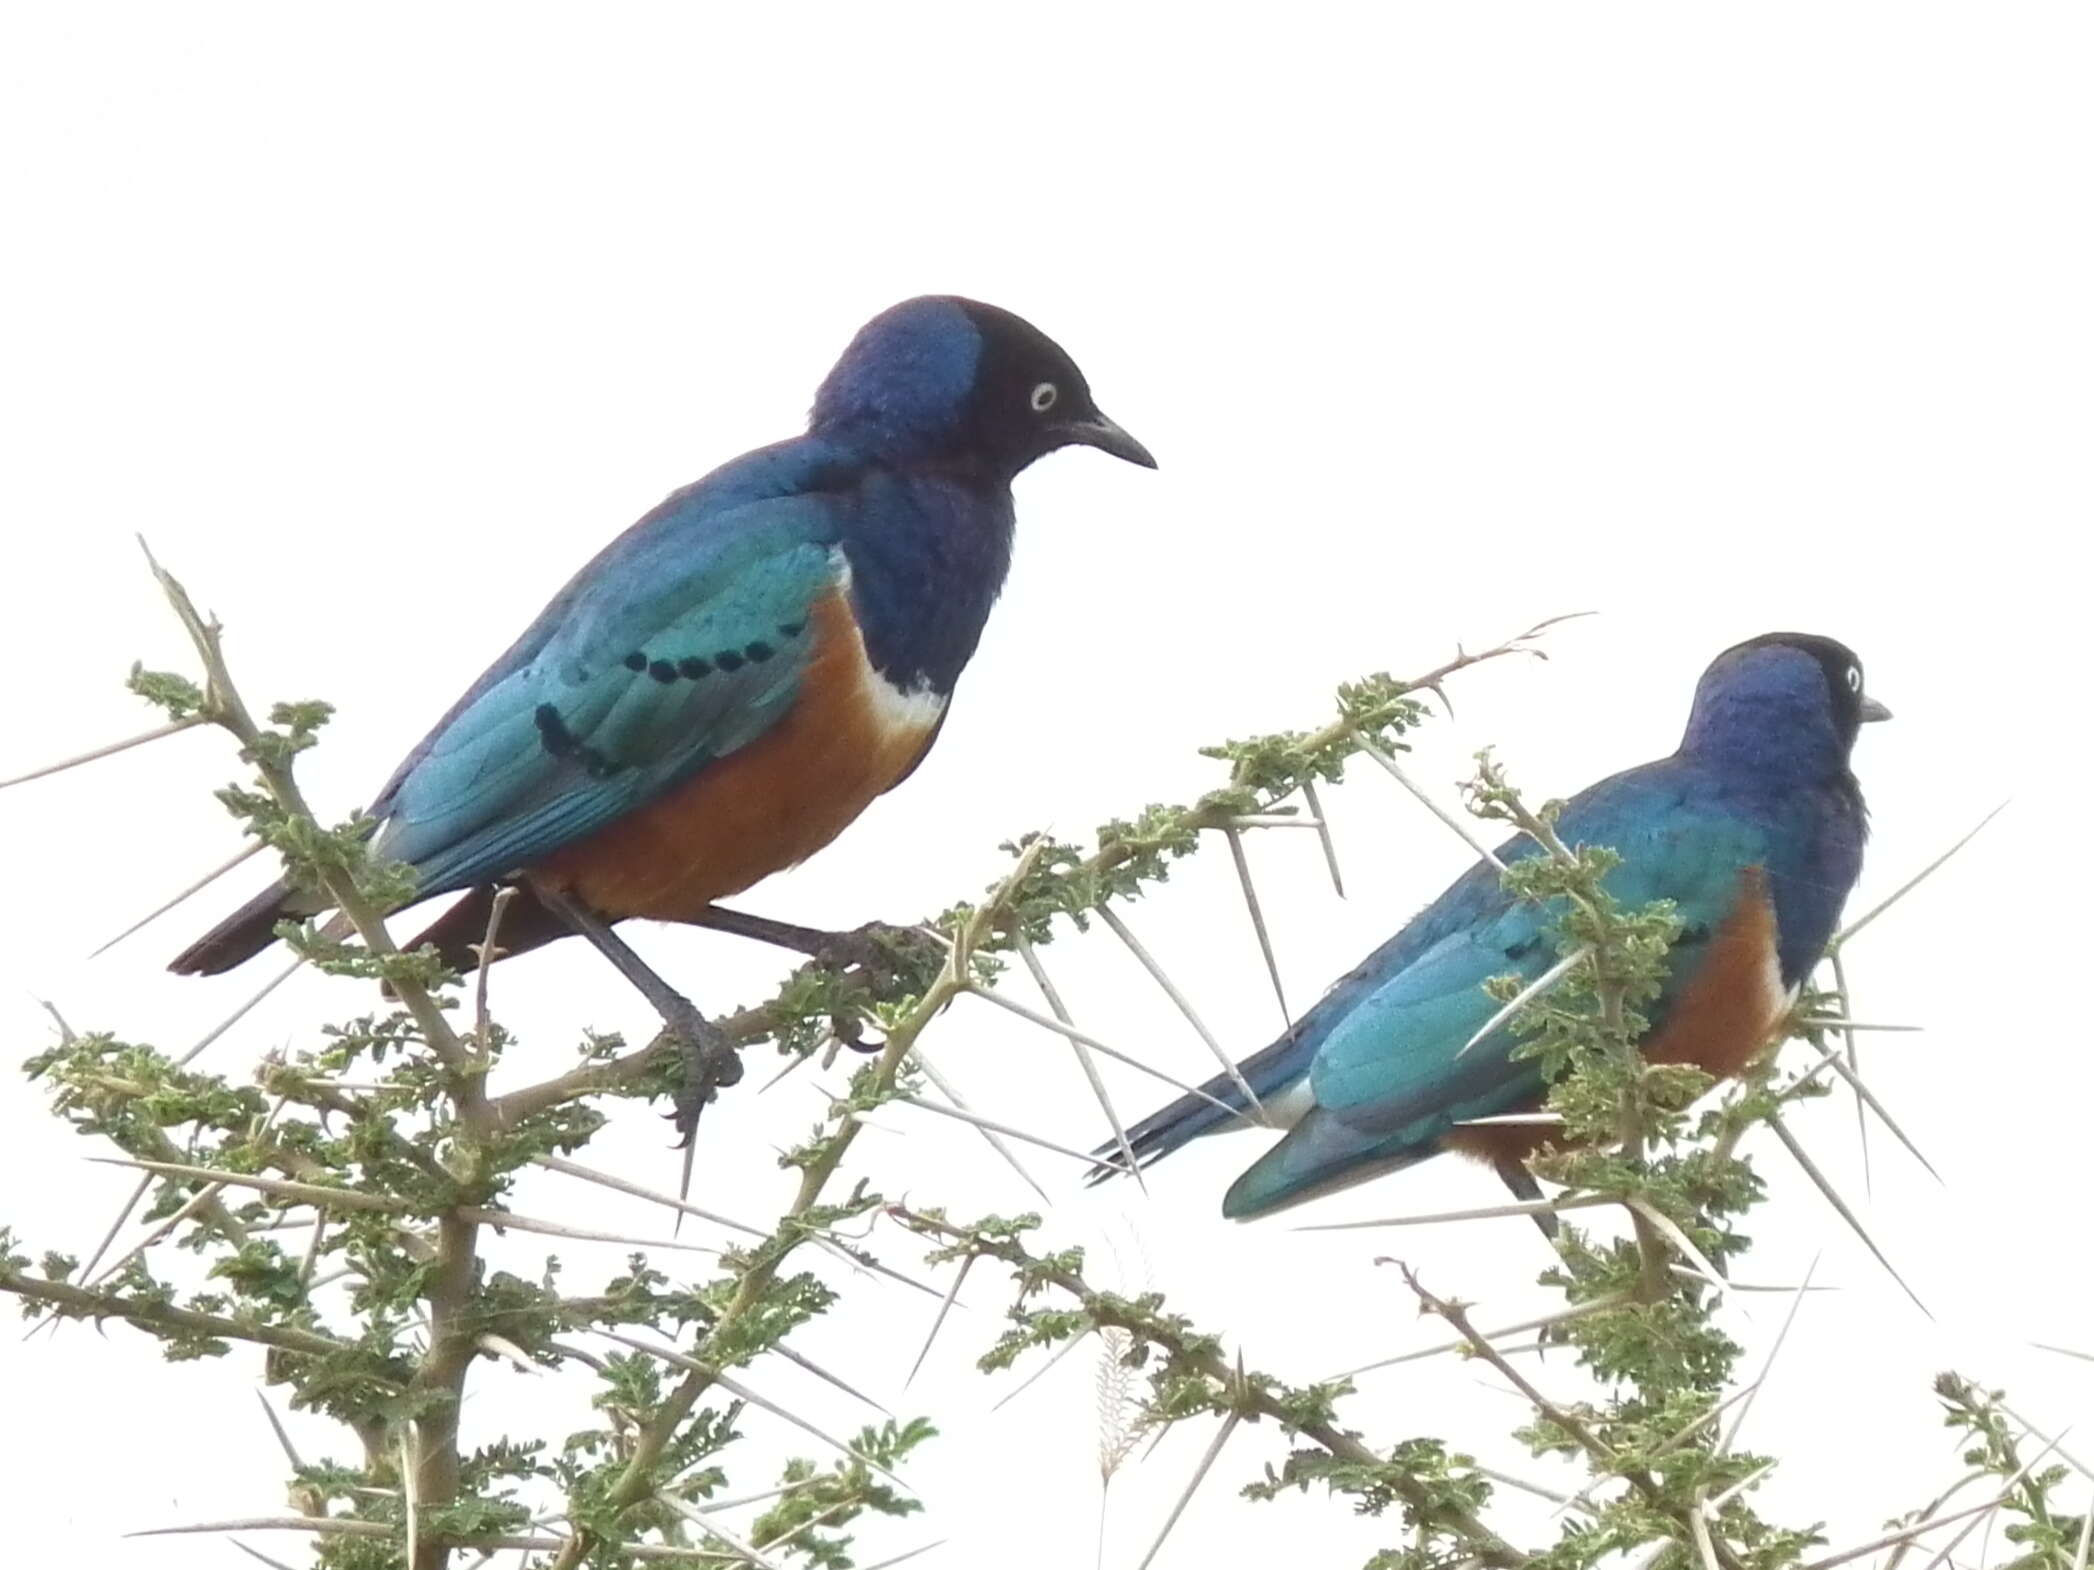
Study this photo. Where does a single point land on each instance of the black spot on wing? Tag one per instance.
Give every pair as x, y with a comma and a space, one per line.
663, 670
729, 660
791, 629
758, 651
553, 733
636, 661
560, 742
691, 667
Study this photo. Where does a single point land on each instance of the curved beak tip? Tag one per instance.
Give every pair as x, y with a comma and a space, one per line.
1872, 710
1107, 436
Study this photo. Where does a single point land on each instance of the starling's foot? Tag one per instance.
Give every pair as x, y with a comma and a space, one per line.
710, 1064
884, 953
881, 951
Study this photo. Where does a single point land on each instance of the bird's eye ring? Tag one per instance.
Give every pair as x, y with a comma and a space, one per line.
1044, 397
1854, 678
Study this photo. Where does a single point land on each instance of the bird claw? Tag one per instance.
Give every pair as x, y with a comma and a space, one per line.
710, 1064
849, 1030
883, 953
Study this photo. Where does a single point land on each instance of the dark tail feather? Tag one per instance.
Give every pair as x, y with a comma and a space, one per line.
1268, 1071
526, 924
240, 937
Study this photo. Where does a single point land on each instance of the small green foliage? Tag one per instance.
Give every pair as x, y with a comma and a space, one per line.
180, 697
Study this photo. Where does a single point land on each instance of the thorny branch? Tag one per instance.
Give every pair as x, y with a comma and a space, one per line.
401, 1194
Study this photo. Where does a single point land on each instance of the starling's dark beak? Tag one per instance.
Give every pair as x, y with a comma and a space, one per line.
1095, 430
1872, 710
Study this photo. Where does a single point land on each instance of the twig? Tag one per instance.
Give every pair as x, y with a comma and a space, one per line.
736, 1387
1250, 1396
342, 1526
634, 1483
1596, 1448
150, 1314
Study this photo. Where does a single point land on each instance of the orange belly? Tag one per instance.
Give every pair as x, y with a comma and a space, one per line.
1719, 1020
773, 803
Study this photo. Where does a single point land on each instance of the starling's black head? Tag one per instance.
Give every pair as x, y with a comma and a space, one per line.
945, 378
1782, 693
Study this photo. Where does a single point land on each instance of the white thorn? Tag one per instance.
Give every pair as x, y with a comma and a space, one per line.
173, 727
1121, 931
157, 912
995, 1140
1199, 1475
1048, 1022
638, 1191
1915, 880
1323, 833
1083, 1056
1730, 1434
1250, 900
1468, 835
1004, 1128
1527, 994
1810, 1168
1524, 1207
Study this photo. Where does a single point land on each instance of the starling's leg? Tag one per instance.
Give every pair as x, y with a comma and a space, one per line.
1515, 1176
882, 953
811, 941
874, 946
710, 1060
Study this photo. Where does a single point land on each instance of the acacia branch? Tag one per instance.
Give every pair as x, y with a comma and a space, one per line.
1602, 1455
224, 706
152, 1314
1246, 1395
636, 1484
450, 1285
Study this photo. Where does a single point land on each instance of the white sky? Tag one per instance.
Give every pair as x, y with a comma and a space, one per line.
378, 320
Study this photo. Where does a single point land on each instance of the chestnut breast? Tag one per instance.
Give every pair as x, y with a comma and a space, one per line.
849, 735
1719, 1020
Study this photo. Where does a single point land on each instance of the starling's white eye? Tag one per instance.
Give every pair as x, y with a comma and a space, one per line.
1044, 396
1854, 678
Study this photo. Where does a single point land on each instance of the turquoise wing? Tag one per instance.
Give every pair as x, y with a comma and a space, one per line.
1390, 1078
683, 644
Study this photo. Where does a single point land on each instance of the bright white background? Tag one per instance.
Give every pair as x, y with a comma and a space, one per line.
378, 320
